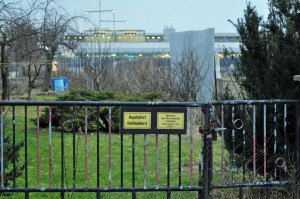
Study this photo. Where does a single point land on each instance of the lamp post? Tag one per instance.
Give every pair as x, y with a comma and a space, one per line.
114, 21
91, 11
99, 11
99, 43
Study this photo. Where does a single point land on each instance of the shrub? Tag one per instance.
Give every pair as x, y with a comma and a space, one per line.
77, 114
11, 155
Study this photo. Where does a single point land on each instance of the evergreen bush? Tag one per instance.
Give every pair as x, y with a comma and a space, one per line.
77, 114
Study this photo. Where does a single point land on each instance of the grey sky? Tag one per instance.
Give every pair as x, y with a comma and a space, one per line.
153, 15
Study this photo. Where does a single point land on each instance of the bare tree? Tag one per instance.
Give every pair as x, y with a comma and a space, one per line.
8, 13
146, 75
139, 75
185, 80
27, 53
11, 14
27, 37
55, 25
189, 73
99, 68
181, 82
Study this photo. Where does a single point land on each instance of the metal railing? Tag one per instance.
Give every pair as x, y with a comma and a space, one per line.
66, 150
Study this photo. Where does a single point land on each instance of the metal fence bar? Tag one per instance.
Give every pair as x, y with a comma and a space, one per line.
2, 146
285, 134
122, 160
38, 170
74, 146
156, 160
168, 166
191, 147
145, 161
109, 149
179, 160
103, 189
156, 104
98, 152
86, 157
254, 141
62, 193
222, 145
297, 131
210, 120
233, 145
243, 126
133, 166
168, 161
275, 140
200, 167
50, 147
206, 156
14, 146
265, 142
244, 143
25, 142
26, 149
261, 184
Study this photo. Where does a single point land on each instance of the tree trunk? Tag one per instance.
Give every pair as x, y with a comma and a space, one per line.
29, 93
47, 77
30, 86
5, 82
4, 74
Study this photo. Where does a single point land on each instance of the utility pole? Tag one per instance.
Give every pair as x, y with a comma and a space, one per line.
98, 35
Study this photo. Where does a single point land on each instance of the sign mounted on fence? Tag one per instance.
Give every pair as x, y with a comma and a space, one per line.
137, 120
153, 120
170, 120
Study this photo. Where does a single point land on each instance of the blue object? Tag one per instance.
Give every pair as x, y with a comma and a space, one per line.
59, 84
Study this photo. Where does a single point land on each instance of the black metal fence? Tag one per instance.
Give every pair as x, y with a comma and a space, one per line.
69, 147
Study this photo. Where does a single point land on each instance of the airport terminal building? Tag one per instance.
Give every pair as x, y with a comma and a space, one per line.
115, 45
119, 46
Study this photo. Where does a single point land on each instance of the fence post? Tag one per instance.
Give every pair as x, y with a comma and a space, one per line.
206, 168
298, 146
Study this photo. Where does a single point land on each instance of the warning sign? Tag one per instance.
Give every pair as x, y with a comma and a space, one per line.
169, 120
152, 120
137, 120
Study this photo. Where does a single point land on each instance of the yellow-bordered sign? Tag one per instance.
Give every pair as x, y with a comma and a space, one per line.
137, 120
153, 120
170, 120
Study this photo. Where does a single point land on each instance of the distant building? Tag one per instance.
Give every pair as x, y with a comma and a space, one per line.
129, 45
137, 43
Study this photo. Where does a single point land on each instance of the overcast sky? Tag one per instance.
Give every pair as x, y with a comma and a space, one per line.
153, 15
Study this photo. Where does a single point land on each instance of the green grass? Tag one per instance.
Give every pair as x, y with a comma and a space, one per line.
116, 161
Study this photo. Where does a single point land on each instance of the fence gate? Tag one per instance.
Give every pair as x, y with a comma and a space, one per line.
149, 150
